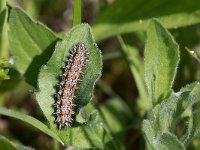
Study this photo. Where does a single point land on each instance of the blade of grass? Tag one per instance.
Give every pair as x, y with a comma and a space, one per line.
7, 144
77, 12
137, 69
30, 120
112, 55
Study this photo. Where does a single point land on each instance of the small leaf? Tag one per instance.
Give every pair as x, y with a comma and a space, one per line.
161, 60
6, 144
3, 69
193, 127
194, 121
168, 141
149, 133
195, 53
14, 79
30, 120
31, 43
82, 135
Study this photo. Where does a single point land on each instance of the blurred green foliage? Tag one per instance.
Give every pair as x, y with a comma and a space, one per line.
148, 96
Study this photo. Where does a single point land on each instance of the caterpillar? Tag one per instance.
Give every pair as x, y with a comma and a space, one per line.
73, 71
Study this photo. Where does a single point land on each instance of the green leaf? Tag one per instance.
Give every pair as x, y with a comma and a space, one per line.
31, 43
168, 141
161, 60
3, 41
3, 31
194, 121
115, 122
77, 12
190, 95
6, 144
3, 69
193, 127
165, 115
133, 15
112, 112
30, 120
195, 53
3, 74
149, 133
137, 69
85, 135
14, 80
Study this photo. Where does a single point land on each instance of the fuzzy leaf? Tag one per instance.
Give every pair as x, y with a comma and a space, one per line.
31, 43
166, 114
81, 135
194, 121
161, 60
194, 125
149, 133
168, 141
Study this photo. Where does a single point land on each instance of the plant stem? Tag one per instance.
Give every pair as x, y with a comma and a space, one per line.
2, 5
77, 12
3, 30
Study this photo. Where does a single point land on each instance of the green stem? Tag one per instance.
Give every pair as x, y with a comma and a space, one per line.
77, 12
2, 5
3, 30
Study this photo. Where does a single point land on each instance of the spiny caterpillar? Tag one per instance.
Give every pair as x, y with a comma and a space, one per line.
72, 73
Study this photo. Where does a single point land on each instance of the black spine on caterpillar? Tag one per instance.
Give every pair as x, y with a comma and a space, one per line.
72, 72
